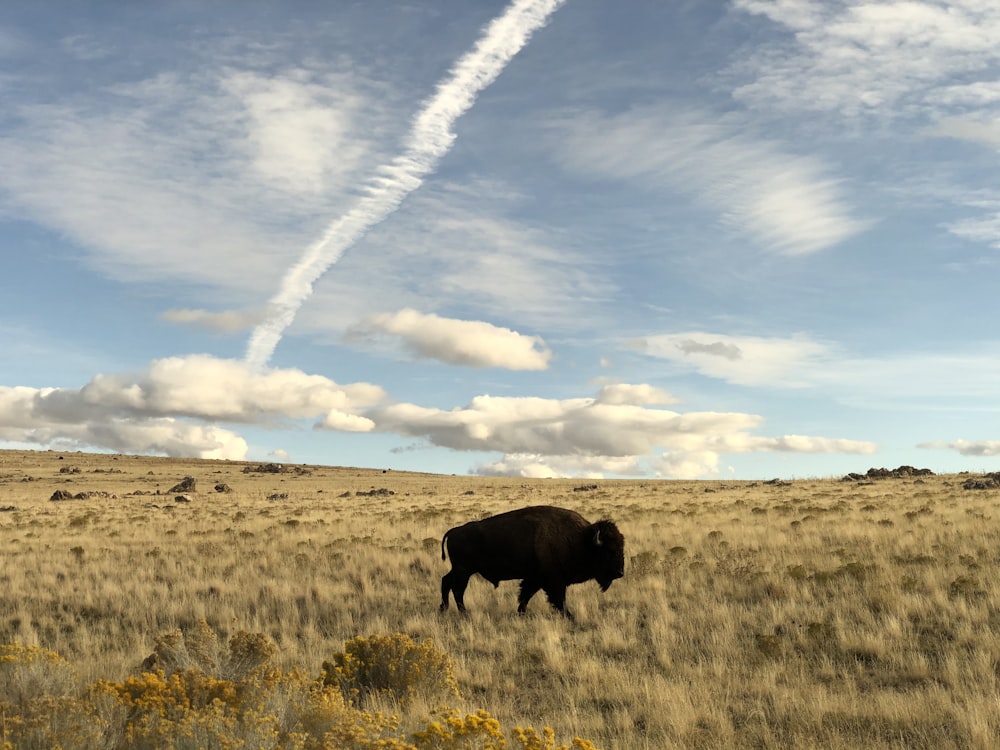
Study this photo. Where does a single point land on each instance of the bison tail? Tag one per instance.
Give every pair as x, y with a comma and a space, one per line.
443, 557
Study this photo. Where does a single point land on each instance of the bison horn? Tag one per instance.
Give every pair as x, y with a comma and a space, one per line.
597, 538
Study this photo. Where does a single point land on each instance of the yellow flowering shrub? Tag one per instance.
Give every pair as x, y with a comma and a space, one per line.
187, 709
199, 648
28, 672
247, 705
393, 664
480, 731
251, 705
318, 716
456, 732
202, 645
37, 708
529, 739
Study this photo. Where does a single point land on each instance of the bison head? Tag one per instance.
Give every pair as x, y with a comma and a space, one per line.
609, 553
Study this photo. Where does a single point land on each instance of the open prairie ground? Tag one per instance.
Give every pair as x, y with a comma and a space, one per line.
802, 614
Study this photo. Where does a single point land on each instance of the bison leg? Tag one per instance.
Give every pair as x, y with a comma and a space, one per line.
454, 581
445, 590
461, 581
528, 589
557, 598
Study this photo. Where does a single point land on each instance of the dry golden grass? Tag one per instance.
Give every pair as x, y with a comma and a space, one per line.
811, 614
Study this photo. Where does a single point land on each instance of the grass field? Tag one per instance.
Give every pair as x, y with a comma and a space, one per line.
802, 614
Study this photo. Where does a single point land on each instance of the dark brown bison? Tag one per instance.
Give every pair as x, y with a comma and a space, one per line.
547, 548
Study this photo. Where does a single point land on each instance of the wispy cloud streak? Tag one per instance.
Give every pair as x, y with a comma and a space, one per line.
428, 141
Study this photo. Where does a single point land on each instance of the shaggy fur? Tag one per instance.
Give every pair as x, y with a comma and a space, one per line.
547, 548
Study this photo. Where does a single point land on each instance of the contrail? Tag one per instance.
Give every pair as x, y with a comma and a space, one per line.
429, 139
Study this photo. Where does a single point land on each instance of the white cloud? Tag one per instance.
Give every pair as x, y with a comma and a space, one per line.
808, 444
920, 379
226, 321
700, 458
516, 269
590, 437
140, 413
985, 229
171, 408
795, 14
173, 176
469, 343
206, 387
746, 360
978, 93
635, 395
456, 247
687, 464
854, 58
429, 139
526, 425
299, 134
546, 467
982, 130
338, 420
966, 447
787, 203
163, 435
929, 63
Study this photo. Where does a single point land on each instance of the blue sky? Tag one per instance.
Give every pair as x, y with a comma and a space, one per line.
681, 239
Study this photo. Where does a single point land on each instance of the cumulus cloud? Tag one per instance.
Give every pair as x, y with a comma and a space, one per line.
613, 433
344, 422
636, 395
547, 467
19, 423
160, 409
174, 407
470, 343
966, 447
687, 464
228, 390
790, 204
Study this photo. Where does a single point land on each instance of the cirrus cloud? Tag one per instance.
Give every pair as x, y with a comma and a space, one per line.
790, 204
854, 58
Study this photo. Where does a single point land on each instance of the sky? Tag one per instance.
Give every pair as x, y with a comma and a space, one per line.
744, 239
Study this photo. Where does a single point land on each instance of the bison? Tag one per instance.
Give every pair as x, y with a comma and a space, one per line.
547, 548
